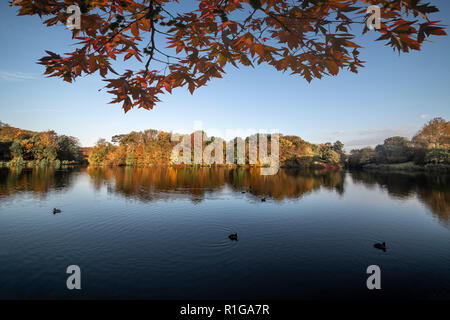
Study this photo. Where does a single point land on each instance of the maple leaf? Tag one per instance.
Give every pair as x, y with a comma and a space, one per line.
181, 48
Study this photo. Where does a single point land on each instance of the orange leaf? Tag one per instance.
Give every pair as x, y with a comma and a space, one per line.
135, 30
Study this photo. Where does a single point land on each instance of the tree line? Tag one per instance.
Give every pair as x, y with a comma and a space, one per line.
429, 147
152, 147
20, 147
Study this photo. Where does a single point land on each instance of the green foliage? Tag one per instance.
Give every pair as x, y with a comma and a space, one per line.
338, 147
44, 163
431, 145
34, 147
329, 153
16, 150
394, 150
419, 154
438, 156
68, 148
117, 138
17, 162
361, 157
331, 156
405, 166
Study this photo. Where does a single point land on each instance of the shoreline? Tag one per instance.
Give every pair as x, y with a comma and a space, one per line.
407, 167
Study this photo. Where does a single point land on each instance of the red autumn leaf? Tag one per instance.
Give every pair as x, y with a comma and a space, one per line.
310, 39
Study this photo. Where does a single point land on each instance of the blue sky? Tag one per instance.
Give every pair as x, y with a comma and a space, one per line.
392, 95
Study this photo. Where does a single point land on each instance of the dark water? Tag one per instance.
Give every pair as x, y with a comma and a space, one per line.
163, 234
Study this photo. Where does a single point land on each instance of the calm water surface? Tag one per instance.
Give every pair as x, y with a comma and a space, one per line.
163, 234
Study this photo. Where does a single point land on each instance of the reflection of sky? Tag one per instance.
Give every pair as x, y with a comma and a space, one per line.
151, 185
392, 96
177, 246
180, 242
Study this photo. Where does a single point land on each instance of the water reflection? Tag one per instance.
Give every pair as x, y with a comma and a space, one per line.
147, 184
433, 190
38, 182
150, 184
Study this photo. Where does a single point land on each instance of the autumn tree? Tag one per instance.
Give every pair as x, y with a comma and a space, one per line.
435, 134
45, 146
180, 45
331, 156
295, 152
154, 148
98, 154
8, 133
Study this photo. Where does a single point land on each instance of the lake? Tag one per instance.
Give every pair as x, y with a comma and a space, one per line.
162, 233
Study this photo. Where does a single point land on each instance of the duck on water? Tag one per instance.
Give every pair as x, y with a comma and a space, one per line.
380, 246
233, 236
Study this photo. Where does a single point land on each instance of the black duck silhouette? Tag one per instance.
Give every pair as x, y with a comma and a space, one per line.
263, 200
55, 211
233, 237
380, 246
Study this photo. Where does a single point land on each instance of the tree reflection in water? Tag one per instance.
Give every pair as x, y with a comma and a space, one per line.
433, 190
147, 184
37, 181
151, 184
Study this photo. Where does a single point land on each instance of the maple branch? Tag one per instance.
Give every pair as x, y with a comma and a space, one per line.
249, 18
119, 32
164, 33
278, 20
124, 28
152, 37
171, 15
167, 55
288, 35
162, 61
